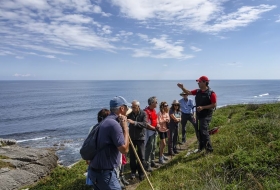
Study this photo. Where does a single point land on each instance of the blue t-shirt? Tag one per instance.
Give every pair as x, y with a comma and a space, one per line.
111, 135
186, 106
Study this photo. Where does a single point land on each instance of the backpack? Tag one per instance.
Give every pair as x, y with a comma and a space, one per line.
89, 148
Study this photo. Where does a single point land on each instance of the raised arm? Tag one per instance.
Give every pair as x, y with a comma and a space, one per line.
180, 85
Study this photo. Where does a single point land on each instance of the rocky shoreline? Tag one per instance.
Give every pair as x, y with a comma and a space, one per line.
23, 166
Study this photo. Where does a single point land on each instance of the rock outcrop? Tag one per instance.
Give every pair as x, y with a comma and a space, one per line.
26, 165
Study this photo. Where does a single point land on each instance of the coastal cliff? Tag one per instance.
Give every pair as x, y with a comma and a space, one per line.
21, 166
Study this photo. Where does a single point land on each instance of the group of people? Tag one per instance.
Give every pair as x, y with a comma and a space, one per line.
121, 131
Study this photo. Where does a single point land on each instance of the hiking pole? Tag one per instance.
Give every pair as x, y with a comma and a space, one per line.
140, 163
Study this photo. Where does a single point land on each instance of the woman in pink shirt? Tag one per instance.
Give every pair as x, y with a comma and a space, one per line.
163, 118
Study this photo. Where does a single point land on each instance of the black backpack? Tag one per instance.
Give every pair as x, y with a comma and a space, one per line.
90, 148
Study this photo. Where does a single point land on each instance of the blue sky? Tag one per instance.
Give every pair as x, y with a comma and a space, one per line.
139, 39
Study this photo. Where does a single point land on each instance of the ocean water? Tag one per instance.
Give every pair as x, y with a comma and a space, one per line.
60, 113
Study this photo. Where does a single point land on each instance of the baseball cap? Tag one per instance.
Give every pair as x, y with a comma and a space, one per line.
203, 78
118, 101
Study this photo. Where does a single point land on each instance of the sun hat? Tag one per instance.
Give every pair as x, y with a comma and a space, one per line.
119, 101
175, 102
183, 93
203, 78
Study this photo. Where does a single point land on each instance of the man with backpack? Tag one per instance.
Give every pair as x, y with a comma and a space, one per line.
206, 101
113, 138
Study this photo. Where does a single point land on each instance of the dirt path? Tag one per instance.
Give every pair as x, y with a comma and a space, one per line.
134, 183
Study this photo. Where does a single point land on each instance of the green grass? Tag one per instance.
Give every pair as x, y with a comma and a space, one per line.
5, 164
246, 156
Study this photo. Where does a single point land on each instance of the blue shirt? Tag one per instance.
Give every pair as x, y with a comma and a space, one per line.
186, 106
111, 135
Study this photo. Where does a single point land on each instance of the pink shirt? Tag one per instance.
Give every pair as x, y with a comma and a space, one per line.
162, 117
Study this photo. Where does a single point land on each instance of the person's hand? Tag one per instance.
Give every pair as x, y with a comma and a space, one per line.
123, 122
130, 121
199, 108
180, 85
167, 120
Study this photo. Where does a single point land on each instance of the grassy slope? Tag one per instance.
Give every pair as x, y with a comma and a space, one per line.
246, 156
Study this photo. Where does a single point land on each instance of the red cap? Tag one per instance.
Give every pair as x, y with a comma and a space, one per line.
202, 78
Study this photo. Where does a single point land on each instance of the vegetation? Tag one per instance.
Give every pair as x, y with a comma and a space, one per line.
5, 164
246, 156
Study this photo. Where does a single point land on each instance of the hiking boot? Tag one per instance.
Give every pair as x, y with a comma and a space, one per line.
124, 181
171, 154
148, 169
141, 177
165, 158
154, 165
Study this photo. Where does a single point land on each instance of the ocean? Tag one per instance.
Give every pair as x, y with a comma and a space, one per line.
60, 113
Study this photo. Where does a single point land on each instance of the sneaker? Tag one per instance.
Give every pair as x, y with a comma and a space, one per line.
132, 176
124, 181
161, 161
154, 165
165, 158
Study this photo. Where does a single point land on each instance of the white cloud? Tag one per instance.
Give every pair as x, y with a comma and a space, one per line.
57, 27
19, 57
4, 52
200, 15
161, 48
278, 20
49, 56
195, 49
22, 75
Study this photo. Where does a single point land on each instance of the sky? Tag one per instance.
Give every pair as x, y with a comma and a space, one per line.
139, 39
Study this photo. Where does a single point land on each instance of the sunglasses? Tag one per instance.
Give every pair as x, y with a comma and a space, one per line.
165, 105
176, 104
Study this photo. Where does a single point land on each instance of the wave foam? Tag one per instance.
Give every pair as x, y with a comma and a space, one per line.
35, 139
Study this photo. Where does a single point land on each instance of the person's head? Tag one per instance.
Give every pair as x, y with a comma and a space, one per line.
102, 114
184, 95
203, 82
152, 101
163, 107
175, 105
135, 105
119, 105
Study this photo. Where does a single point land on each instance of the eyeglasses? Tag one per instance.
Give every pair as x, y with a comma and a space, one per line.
133, 107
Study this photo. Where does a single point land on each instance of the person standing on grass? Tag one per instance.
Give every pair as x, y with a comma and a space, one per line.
113, 136
102, 114
175, 119
206, 101
186, 105
137, 120
163, 118
151, 134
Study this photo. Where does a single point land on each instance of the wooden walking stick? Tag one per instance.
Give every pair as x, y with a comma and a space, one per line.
140, 163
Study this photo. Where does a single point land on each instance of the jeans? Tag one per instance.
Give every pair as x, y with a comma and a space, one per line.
104, 180
184, 119
140, 148
150, 148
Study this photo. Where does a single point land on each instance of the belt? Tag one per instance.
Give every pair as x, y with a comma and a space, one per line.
100, 170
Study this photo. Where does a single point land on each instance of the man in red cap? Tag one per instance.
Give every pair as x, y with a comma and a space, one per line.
206, 101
